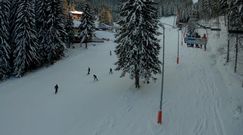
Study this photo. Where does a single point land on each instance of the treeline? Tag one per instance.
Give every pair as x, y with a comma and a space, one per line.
32, 35
207, 9
165, 7
169, 7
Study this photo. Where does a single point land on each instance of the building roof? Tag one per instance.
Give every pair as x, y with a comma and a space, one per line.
76, 12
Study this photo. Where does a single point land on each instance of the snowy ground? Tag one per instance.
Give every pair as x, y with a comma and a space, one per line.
201, 96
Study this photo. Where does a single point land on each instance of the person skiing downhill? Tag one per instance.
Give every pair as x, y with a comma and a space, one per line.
88, 71
95, 77
205, 38
110, 71
56, 88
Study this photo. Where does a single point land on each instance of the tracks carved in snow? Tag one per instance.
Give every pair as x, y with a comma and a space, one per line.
200, 126
218, 122
107, 122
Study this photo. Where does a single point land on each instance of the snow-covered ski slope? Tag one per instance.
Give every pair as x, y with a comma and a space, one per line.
201, 97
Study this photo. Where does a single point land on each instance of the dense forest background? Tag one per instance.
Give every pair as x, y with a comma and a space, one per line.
165, 7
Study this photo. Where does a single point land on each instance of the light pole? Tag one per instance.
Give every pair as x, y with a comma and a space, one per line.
177, 59
160, 114
178, 49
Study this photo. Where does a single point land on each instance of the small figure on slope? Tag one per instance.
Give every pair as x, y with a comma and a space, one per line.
205, 39
88, 71
111, 72
56, 88
95, 77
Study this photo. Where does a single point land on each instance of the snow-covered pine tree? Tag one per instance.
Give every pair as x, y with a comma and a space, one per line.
25, 54
51, 30
239, 4
12, 21
223, 6
235, 13
13, 17
138, 48
87, 26
69, 31
41, 18
215, 8
205, 9
5, 48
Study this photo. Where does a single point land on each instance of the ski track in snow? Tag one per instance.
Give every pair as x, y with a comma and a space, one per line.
202, 74
214, 105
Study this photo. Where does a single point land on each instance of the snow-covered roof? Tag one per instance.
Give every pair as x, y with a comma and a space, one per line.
76, 12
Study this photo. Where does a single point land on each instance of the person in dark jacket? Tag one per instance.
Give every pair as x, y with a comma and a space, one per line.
88, 71
56, 88
110, 71
110, 53
95, 77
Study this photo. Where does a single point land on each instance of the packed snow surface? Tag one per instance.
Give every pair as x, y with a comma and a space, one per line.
201, 96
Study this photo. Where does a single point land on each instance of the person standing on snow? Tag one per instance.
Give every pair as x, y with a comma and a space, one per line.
95, 77
56, 88
110, 71
205, 39
88, 71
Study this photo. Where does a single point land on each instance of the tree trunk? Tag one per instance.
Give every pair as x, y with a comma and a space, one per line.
136, 78
86, 41
236, 53
86, 45
228, 49
228, 45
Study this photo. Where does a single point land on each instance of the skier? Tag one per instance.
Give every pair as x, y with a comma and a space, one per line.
88, 71
197, 37
110, 71
95, 77
154, 79
205, 38
56, 88
110, 53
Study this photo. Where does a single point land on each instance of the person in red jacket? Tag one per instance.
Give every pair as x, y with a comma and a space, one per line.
205, 38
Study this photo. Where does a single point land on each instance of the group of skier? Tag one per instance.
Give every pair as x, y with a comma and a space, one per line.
88, 73
95, 76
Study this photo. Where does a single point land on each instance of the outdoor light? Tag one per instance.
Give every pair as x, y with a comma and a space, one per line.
160, 113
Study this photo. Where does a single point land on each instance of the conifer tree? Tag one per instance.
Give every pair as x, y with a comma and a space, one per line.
215, 8
25, 55
223, 6
236, 13
239, 4
69, 31
138, 47
5, 48
51, 30
87, 26
205, 10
